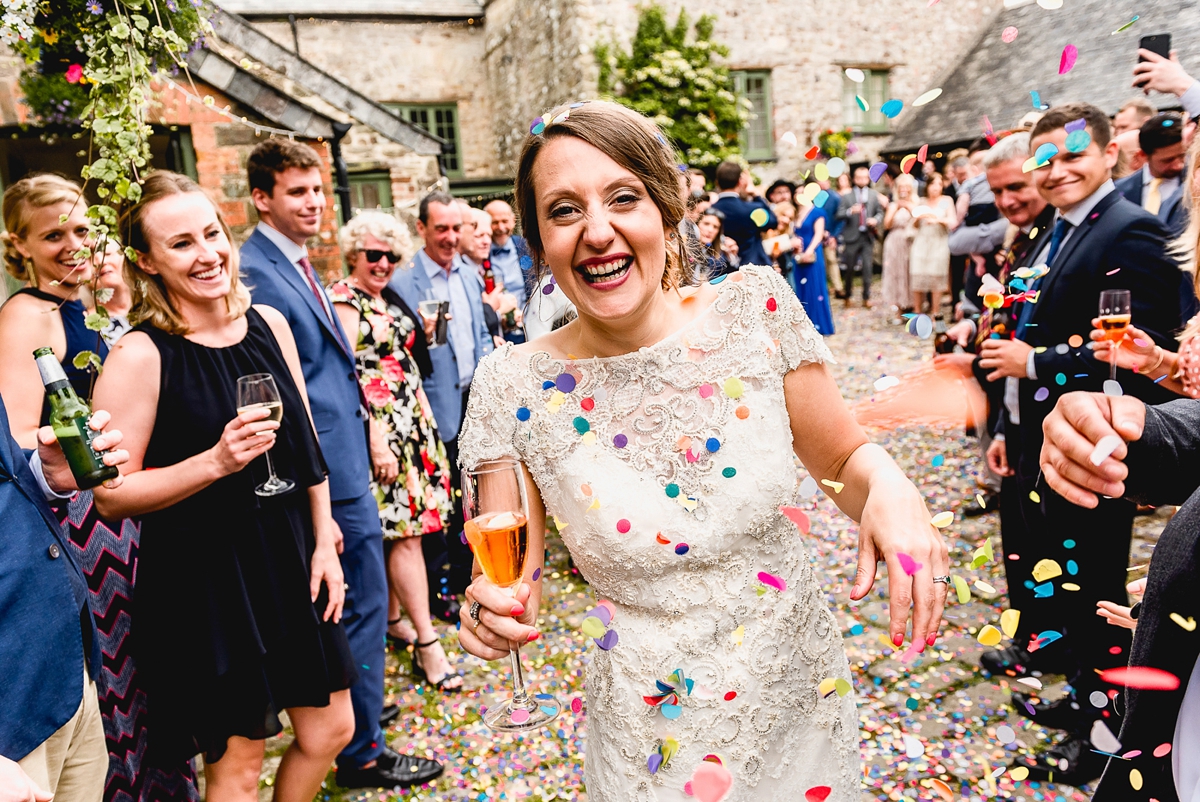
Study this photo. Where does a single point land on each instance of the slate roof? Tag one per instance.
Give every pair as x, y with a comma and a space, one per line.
440, 9
995, 78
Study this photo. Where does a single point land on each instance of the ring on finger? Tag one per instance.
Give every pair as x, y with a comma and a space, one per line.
945, 580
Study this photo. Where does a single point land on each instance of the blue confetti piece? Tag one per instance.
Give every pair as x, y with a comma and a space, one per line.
1037, 101
1029, 584
548, 710
546, 385
712, 444
1045, 152
857, 629
1043, 591
522, 414
718, 279
891, 108
820, 199
938, 461
1068, 544
671, 711
1049, 636
545, 697
1078, 141
1072, 567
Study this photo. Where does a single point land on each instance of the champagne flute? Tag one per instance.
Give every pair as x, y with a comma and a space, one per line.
258, 391
496, 517
1115, 313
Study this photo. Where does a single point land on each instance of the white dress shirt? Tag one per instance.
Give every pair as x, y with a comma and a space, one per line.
1076, 215
293, 253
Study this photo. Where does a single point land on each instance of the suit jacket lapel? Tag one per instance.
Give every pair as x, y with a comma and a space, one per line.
291, 277
1063, 257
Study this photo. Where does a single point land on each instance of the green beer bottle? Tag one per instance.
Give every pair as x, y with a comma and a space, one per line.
69, 419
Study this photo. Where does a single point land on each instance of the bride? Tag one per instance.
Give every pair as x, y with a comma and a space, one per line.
656, 428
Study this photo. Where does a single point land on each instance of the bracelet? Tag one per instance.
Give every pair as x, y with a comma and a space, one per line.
1162, 355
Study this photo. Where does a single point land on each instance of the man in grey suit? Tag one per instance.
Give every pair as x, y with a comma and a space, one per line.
862, 213
435, 274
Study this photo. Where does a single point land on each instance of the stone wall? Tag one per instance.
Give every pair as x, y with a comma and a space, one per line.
407, 62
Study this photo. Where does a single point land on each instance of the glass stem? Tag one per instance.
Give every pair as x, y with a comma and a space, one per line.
520, 697
272, 478
1112, 370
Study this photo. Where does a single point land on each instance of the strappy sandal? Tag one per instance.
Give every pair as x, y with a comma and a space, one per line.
395, 642
441, 684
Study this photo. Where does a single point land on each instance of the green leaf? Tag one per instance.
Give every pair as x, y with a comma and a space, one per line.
96, 321
130, 254
81, 359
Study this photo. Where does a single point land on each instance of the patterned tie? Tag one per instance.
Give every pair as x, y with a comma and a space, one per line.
1061, 227
314, 285
1153, 200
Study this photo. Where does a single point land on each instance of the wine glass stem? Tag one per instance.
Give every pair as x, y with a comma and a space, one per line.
1112, 368
272, 478
520, 697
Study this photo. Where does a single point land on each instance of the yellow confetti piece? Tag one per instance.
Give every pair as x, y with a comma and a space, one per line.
559, 523
689, 503
737, 635
837, 486
843, 687
669, 748
1034, 497
1046, 569
984, 586
734, 388
589, 439
988, 636
595, 504
821, 172
1019, 774
1069, 586
983, 554
942, 519
1135, 779
827, 687
593, 627
1188, 623
960, 587
1008, 622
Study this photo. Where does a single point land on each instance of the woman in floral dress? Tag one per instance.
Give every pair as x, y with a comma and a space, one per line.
411, 479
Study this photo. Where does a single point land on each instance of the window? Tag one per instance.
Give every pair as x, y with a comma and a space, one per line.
874, 90
757, 139
370, 191
441, 121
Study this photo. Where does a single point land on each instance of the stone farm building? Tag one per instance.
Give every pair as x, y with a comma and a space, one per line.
403, 95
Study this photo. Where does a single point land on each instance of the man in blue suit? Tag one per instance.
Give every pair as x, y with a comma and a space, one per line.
288, 191
747, 215
1158, 186
51, 733
435, 273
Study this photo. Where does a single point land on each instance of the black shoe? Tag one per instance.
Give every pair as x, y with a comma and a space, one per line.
390, 771
1071, 762
1062, 714
991, 503
1012, 661
390, 713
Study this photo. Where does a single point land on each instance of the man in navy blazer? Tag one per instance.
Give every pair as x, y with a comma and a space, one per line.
51, 733
1158, 187
288, 191
435, 273
1099, 241
747, 215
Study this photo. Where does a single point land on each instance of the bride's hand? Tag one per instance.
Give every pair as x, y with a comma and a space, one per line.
504, 623
895, 521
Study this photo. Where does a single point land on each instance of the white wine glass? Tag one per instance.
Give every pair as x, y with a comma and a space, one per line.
1115, 314
496, 515
258, 391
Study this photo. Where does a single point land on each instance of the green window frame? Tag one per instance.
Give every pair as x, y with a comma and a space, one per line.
758, 136
370, 191
439, 119
874, 90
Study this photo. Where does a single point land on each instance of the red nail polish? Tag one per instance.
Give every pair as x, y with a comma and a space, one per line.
516, 610
533, 636
898, 640
920, 648
932, 639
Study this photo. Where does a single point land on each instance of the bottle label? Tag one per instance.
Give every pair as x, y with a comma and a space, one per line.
51, 369
75, 438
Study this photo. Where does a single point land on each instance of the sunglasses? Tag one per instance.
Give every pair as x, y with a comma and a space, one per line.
375, 256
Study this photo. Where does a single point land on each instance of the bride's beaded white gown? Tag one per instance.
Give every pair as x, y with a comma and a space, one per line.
666, 469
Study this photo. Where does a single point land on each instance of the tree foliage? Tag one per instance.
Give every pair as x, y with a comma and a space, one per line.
678, 80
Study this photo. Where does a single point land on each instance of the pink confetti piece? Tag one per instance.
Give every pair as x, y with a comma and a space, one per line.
711, 782
1009, 35
519, 716
773, 581
576, 705
797, 516
932, 3
909, 565
1111, 272
1069, 55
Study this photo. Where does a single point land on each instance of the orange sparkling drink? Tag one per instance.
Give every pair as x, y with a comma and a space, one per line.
500, 541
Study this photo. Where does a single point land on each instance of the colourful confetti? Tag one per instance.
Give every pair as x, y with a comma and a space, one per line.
1069, 56
1126, 26
928, 97
1009, 35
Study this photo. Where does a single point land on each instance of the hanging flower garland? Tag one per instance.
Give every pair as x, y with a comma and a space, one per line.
115, 48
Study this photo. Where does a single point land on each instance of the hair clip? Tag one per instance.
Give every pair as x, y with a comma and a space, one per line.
540, 124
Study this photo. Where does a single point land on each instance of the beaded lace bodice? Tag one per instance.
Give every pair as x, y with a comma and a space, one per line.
665, 469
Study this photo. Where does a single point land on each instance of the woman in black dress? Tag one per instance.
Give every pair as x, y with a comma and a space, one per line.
239, 597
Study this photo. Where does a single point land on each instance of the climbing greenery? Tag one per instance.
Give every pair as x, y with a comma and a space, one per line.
114, 48
673, 74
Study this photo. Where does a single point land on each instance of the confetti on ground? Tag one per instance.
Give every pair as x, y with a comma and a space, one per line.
1009, 35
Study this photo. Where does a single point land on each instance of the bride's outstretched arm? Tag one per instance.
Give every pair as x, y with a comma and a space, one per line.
869, 487
506, 622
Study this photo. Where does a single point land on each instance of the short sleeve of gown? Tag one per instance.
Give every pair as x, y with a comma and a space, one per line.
785, 320
489, 427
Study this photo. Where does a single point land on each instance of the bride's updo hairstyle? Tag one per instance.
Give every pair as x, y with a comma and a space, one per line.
150, 300
632, 141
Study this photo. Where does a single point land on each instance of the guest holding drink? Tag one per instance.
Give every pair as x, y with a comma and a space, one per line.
929, 257
240, 589
40, 249
411, 473
651, 427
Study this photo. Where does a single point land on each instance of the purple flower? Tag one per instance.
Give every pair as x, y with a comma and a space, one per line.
174, 9
197, 3
95, 7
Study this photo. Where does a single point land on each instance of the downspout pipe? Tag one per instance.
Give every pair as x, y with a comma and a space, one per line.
341, 175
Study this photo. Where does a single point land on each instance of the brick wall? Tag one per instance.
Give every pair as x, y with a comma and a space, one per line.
222, 146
